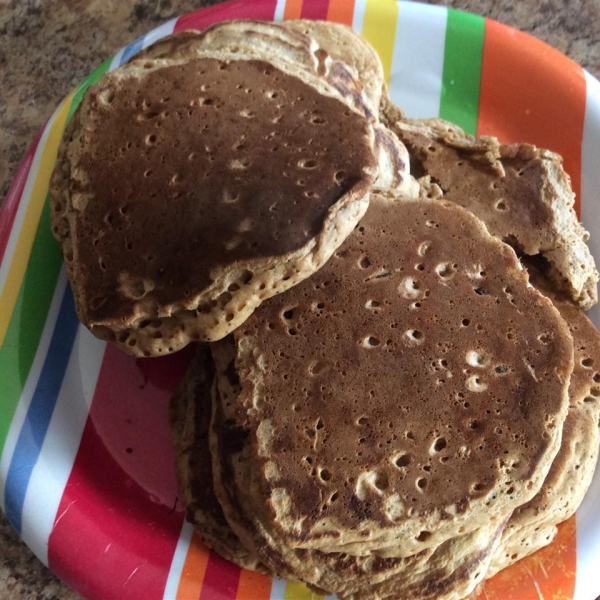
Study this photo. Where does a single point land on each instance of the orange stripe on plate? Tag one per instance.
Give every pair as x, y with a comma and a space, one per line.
293, 9
548, 573
254, 585
341, 11
194, 569
531, 92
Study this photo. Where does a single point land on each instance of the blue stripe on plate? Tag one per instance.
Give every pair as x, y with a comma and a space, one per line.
132, 49
39, 413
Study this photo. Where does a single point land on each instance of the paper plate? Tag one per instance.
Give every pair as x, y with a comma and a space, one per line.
86, 470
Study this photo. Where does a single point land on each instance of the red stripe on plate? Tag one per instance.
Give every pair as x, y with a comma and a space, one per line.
237, 9
13, 198
531, 92
117, 516
314, 9
221, 579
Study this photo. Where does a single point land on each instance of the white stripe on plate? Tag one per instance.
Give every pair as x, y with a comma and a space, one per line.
359, 15
278, 589
587, 583
31, 383
181, 550
15, 232
51, 472
418, 61
158, 33
116, 61
279, 10
590, 174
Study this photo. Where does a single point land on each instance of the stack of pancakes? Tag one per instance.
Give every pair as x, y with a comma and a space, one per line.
401, 394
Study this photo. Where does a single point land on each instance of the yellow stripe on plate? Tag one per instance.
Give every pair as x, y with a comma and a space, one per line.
39, 192
294, 590
379, 29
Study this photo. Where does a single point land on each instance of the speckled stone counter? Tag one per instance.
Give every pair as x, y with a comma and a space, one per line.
47, 46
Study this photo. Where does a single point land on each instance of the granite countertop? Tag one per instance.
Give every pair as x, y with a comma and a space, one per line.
48, 46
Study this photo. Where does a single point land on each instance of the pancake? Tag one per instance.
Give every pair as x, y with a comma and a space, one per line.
189, 417
343, 44
330, 51
530, 539
412, 390
389, 113
520, 192
240, 36
532, 526
448, 572
180, 205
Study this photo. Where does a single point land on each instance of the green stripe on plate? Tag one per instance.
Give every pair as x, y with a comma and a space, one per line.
91, 79
463, 54
33, 302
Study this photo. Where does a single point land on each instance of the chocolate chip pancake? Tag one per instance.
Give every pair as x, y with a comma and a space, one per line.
520, 192
189, 191
412, 390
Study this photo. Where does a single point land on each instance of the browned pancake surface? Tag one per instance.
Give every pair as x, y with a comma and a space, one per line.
447, 572
520, 192
190, 413
200, 165
412, 387
571, 473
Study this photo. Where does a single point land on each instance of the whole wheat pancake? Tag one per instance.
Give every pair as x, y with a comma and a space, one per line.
330, 51
190, 412
448, 572
520, 192
189, 191
389, 113
343, 44
238, 36
412, 390
572, 470
533, 526
530, 539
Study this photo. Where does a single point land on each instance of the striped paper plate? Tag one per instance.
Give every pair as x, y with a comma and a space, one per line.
86, 467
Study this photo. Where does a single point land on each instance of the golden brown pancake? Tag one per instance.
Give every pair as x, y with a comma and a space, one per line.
308, 45
412, 390
448, 572
520, 192
188, 192
189, 417
532, 525
343, 44
330, 51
